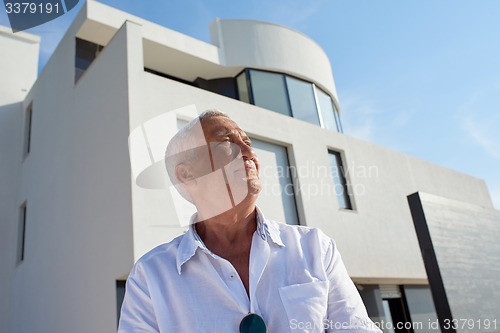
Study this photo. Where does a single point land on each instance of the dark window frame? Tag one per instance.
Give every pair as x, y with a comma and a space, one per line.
21, 244
344, 181
28, 128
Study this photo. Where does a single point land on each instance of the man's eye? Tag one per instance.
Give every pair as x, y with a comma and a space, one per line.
224, 144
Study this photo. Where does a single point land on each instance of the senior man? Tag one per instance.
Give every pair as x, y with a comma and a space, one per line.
234, 270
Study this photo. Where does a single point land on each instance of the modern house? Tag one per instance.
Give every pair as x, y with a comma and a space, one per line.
84, 193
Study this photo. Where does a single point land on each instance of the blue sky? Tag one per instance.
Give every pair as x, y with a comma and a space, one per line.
419, 77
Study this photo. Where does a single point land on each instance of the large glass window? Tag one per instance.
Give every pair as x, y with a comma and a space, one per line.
339, 180
339, 123
289, 96
269, 91
277, 197
327, 111
302, 100
241, 82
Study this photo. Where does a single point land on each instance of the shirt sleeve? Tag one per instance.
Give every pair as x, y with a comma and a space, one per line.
137, 313
346, 311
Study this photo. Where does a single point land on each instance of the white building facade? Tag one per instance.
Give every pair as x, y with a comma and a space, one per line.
84, 193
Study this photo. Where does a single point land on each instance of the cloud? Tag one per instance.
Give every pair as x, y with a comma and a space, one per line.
359, 117
401, 119
483, 133
291, 13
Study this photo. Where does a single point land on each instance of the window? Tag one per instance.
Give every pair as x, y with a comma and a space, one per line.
28, 117
269, 91
289, 96
85, 53
241, 82
337, 120
302, 99
339, 180
329, 114
21, 236
277, 197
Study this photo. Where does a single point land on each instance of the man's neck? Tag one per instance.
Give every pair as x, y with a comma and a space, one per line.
229, 235
230, 228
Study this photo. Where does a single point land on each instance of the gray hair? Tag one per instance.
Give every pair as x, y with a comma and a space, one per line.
180, 148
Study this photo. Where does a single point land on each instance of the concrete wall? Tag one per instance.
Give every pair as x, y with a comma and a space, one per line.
76, 181
464, 244
19, 64
18, 68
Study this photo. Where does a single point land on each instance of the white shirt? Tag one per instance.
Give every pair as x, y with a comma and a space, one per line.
298, 283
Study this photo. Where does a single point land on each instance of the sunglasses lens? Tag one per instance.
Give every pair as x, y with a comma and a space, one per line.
252, 323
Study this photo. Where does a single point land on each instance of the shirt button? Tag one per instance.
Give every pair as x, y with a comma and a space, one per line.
231, 276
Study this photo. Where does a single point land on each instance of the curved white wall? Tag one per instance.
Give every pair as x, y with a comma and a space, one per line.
257, 44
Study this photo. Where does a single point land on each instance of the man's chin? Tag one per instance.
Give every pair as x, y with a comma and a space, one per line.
254, 186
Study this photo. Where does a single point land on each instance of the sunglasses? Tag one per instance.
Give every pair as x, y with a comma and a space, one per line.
253, 323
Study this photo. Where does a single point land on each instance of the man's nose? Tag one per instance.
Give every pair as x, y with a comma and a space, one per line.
247, 151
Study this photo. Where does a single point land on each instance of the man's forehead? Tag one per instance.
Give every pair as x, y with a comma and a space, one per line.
220, 126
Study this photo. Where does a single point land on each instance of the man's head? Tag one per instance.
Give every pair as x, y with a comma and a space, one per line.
211, 158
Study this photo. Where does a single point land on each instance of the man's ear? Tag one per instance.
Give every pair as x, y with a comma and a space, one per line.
183, 173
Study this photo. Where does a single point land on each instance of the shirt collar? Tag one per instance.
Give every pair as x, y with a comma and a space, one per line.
268, 228
191, 241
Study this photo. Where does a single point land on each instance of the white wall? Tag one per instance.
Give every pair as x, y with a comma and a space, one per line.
76, 181
18, 68
19, 54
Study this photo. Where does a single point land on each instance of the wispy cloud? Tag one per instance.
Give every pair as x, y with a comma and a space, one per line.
291, 13
484, 133
401, 119
359, 117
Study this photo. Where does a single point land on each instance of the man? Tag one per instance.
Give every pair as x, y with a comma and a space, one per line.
234, 270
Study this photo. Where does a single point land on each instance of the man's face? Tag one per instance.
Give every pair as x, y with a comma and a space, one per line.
230, 149
227, 167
